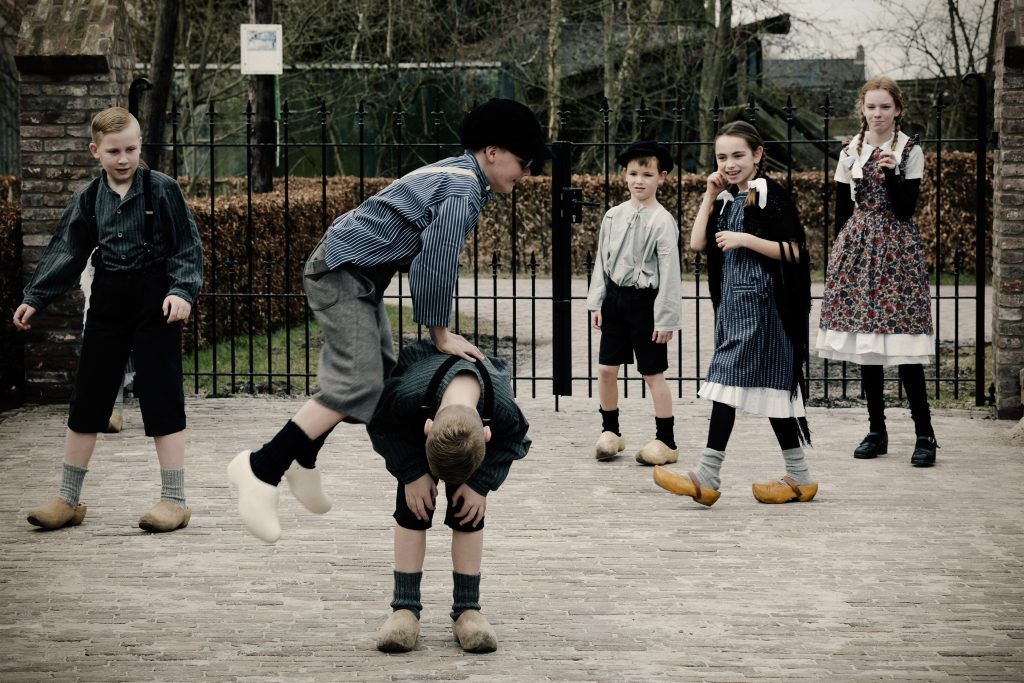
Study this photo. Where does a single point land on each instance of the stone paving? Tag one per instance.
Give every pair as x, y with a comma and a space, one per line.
591, 573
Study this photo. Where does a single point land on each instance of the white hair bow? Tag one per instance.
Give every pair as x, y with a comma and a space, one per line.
760, 185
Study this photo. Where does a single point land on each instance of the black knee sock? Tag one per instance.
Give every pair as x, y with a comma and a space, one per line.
871, 377
787, 431
723, 417
665, 431
913, 382
308, 458
610, 421
407, 592
465, 594
271, 462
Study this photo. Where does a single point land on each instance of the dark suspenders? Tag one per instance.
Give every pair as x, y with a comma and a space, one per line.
431, 399
147, 235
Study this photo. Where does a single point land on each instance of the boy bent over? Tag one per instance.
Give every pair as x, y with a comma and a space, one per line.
419, 222
441, 417
149, 267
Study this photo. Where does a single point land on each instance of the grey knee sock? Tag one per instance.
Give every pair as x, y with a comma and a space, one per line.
796, 465
172, 486
407, 592
71, 483
707, 470
466, 594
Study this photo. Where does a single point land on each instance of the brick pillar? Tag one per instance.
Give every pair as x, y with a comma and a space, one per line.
1008, 224
75, 58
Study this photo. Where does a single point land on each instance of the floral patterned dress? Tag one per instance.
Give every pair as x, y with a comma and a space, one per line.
876, 308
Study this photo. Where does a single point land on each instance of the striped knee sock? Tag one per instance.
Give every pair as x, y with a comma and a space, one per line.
71, 483
172, 486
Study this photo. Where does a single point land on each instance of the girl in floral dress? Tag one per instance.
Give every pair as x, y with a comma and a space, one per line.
876, 310
760, 288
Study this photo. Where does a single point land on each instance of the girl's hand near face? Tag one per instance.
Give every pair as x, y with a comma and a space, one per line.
716, 183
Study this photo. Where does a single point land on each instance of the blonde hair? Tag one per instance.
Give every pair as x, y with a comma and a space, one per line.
890, 86
112, 120
455, 446
749, 134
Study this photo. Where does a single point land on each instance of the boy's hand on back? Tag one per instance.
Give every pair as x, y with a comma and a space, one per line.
176, 308
661, 337
473, 505
420, 496
22, 315
454, 344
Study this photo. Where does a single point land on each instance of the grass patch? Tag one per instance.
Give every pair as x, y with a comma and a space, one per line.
296, 351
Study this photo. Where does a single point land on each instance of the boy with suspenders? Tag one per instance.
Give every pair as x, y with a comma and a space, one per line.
149, 268
444, 418
419, 222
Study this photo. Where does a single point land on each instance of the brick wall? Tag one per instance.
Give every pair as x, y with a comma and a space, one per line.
71, 67
1008, 211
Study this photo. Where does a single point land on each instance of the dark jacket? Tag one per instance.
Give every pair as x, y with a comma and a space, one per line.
396, 429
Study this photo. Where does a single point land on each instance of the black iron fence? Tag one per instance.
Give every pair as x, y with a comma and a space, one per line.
504, 300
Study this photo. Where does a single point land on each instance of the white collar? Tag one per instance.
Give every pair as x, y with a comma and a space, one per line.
760, 185
855, 162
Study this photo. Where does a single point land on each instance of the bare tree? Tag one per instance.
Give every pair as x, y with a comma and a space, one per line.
628, 66
554, 84
944, 41
161, 69
261, 96
717, 50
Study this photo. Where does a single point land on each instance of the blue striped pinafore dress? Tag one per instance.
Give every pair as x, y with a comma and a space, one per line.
752, 367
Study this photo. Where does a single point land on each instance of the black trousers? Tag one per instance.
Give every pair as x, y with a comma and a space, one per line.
125, 317
407, 519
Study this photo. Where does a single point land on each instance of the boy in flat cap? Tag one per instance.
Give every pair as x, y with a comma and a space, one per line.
634, 300
420, 223
443, 418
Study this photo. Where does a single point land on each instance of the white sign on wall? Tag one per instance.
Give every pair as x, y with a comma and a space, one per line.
261, 49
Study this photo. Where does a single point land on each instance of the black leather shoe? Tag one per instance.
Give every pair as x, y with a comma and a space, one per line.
924, 452
873, 445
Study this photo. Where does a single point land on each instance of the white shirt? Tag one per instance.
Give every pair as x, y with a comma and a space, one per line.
638, 246
850, 168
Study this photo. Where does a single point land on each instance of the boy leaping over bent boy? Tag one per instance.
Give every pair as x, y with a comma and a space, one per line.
420, 221
441, 417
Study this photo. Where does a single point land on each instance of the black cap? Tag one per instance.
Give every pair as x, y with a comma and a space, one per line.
507, 124
647, 148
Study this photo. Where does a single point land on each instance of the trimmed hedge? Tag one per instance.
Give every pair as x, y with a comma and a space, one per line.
306, 220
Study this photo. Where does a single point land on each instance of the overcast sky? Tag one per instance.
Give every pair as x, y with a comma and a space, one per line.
824, 28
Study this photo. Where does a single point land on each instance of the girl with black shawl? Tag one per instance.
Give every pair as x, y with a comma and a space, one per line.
760, 289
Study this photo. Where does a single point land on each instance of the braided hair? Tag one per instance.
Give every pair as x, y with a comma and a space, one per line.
890, 86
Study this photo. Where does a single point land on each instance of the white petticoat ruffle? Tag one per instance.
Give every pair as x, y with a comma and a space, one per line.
872, 348
756, 400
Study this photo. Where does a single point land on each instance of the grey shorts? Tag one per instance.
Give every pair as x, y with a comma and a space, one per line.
357, 355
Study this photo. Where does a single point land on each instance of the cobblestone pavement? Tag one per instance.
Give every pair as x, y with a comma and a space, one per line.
591, 573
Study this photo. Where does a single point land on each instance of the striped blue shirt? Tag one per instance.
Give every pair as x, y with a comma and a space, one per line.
421, 219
